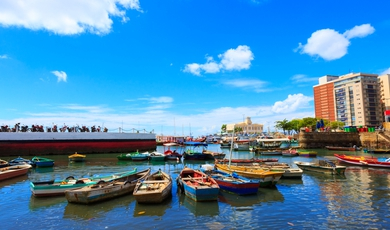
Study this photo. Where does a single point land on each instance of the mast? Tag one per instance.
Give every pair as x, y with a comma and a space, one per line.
231, 148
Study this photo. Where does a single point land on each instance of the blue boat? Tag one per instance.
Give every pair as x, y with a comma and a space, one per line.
197, 185
194, 151
232, 183
42, 162
21, 161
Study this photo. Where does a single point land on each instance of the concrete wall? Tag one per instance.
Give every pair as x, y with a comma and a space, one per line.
321, 139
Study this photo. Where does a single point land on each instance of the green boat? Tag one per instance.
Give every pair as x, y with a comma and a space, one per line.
126, 156
58, 187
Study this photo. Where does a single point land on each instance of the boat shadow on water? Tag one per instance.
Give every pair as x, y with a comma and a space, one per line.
37, 203
13, 180
152, 209
205, 208
96, 210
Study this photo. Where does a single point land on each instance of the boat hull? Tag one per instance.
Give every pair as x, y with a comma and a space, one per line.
13, 171
154, 189
42, 143
197, 185
58, 187
306, 166
362, 161
106, 190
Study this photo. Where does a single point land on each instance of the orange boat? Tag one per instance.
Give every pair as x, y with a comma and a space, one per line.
364, 160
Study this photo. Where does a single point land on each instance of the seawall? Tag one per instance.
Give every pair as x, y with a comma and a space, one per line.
311, 140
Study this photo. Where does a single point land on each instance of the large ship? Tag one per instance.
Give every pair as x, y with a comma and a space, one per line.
43, 143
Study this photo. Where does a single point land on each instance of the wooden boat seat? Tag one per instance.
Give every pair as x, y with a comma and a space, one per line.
154, 181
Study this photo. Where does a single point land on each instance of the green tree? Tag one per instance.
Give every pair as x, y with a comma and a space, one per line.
282, 125
223, 128
309, 122
295, 124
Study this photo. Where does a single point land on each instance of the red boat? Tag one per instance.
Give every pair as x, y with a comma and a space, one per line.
13, 171
364, 160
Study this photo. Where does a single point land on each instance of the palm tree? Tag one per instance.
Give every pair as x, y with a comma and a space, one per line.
284, 125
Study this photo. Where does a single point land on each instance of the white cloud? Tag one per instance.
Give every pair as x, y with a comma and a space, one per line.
233, 59
292, 103
359, 31
385, 72
4, 56
330, 44
247, 84
65, 17
61, 75
301, 78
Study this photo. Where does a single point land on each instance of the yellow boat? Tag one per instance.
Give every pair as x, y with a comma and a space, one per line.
267, 177
76, 157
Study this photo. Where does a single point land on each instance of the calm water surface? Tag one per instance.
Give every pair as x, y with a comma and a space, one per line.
359, 200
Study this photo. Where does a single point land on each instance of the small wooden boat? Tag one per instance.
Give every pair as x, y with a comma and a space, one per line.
290, 153
76, 157
306, 153
322, 166
3, 163
58, 187
340, 148
156, 156
213, 155
377, 150
172, 155
14, 171
272, 152
364, 160
268, 178
197, 185
105, 190
21, 161
140, 156
194, 151
42, 162
153, 189
232, 182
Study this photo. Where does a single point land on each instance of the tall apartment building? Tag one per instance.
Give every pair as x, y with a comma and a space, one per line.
352, 98
384, 81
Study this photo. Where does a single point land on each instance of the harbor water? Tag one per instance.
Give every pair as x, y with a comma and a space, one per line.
358, 200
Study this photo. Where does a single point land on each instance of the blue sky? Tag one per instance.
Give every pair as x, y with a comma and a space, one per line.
180, 67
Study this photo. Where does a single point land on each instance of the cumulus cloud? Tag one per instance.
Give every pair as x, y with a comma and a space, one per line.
233, 59
330, 44
3, 56
292, 103
65, 17
386, 72
61, 75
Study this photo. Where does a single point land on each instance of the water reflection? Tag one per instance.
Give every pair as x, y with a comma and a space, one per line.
86, 212
209, 208
152, 209
239, 201
11, 181
37, 203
